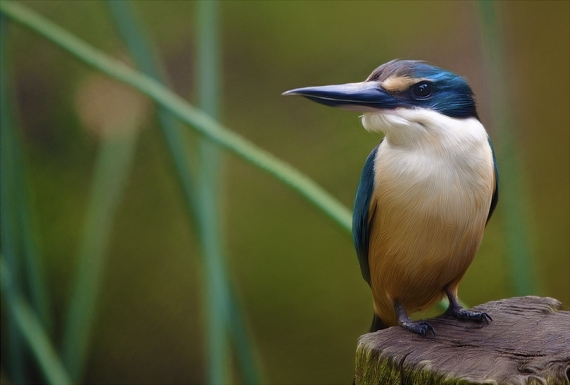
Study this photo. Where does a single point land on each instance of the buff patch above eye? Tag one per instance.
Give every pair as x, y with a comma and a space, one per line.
400, 84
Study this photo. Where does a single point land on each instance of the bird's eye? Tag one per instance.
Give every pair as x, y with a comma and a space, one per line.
422, 90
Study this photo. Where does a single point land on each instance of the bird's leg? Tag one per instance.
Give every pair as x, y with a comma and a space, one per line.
456, 310
419, 327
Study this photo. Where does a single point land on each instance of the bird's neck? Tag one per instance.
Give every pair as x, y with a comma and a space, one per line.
426, 130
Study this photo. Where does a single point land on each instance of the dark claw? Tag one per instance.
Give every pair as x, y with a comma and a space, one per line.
428, 328
472, 315
486, 317
421, 327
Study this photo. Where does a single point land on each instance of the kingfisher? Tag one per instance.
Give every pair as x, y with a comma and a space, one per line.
426, 191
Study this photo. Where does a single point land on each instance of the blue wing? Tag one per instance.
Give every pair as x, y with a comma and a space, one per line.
360, 216
495, 198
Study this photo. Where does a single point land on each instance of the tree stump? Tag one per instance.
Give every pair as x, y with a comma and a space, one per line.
528, 342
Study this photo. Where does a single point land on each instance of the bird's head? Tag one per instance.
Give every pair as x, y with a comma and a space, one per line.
400, 93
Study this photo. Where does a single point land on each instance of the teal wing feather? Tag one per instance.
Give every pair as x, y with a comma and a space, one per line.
361, 215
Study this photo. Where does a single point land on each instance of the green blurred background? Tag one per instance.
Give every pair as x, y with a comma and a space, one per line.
294, 270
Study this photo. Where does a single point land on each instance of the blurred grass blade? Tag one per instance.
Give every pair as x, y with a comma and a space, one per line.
208, 84
8, 218
513, 202
200, 121
250, 369
31, 328
35, 274
23, 218
112, 167
140, 51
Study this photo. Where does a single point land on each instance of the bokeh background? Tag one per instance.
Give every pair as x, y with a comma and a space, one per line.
294, 270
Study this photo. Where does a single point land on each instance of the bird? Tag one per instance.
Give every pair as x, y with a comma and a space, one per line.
426, 192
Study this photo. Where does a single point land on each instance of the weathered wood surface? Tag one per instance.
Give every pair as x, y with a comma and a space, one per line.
528, 342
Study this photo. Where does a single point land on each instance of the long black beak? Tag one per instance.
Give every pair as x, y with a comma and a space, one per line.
365, 96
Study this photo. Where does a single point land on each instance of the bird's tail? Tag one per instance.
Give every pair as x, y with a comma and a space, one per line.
377, 324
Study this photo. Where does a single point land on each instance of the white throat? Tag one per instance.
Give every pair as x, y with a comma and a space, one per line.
423, 128
428, 157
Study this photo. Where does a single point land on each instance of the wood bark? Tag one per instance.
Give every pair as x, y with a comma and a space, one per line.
528, 342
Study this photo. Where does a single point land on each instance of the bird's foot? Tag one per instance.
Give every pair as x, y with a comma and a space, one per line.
419, 327
456, 310
469, 315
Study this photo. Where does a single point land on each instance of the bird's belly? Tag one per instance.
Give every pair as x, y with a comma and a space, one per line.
427, 228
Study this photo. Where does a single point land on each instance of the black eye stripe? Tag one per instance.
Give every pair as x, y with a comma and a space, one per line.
422, 90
